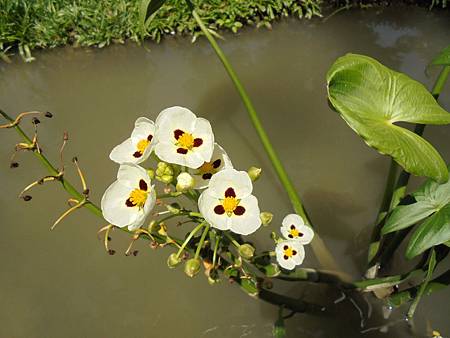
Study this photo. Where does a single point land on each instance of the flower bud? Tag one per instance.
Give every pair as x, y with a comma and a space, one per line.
192, 267
151, 173
266, 217
164, 172
246, 251
254, 173
167, 179
185, 182
173, 260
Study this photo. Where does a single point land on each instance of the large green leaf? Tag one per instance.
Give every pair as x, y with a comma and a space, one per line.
435, 230
443, 58
372, 99
430, 197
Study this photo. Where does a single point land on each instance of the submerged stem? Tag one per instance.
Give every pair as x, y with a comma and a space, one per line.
322, 253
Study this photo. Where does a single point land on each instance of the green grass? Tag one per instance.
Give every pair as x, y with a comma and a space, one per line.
29, 24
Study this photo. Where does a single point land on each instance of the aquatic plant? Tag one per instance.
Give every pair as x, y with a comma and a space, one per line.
174, 169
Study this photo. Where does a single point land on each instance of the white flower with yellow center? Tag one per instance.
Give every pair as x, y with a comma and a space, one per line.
138, 147
293, 227
218, 162
289, 254
128, 201
183, 138
228, 203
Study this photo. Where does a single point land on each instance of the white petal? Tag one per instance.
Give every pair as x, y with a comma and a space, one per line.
130, 174
206, 205
225, 162
114, 209
306, 232
171, 119
123, 153
203, 130
168, 153
292, 261
143, 127
238, 180
250, 221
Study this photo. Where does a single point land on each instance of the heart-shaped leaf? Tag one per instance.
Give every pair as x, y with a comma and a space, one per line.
373, 98
435, 230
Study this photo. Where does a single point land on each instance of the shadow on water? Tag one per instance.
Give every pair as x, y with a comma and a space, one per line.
63, 282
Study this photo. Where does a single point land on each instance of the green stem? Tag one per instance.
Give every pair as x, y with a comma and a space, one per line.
232, 240
188, 239
202, 240
323, 255
216, 247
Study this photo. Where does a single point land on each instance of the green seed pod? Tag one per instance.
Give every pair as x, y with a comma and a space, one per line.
254, 173
192, 267
174, 208
173, 260
266, 217
246, 251
151, 173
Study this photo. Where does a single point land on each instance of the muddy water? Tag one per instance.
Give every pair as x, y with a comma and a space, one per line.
61, 283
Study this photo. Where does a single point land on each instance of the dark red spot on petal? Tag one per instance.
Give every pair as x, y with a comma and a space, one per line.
285, 247
177, 134
129, 203
216, 163
207, 176
285, 257
290, 236
149, 138
182, 151
292, 226
294, 252
219, 209
300, 234
137, 154
230, 192
239, 210
198, 142
143, 185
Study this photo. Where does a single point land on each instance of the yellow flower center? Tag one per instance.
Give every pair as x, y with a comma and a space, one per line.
142, 145
294, 232
186, 141
288, 252
229, 204
138, 197
207, 167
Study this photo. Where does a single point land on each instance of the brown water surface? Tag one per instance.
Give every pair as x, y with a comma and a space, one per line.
63, 284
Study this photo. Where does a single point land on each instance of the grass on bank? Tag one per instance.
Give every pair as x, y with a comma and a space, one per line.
30, 24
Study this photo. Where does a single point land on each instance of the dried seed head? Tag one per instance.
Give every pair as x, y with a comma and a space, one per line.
86, 192
27, 198
35, 120
111, 252
48, 114
135, 253
65, 136
14, 165
75, 159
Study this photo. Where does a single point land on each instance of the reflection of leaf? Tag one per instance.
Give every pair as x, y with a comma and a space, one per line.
371, 98
435, 230
443, 58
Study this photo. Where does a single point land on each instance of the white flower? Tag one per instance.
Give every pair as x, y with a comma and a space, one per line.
138, 147
289, 254
185, 182
183, 138
219, 161
129, 200
228, 204
295, 228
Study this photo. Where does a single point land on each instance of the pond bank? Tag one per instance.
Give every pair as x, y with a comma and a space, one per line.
48, 24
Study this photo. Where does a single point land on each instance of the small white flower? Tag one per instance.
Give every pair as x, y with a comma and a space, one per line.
293, 227
185, 182
228, 204
129, 200
219, 161
138, 147
290, 253
183, 138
